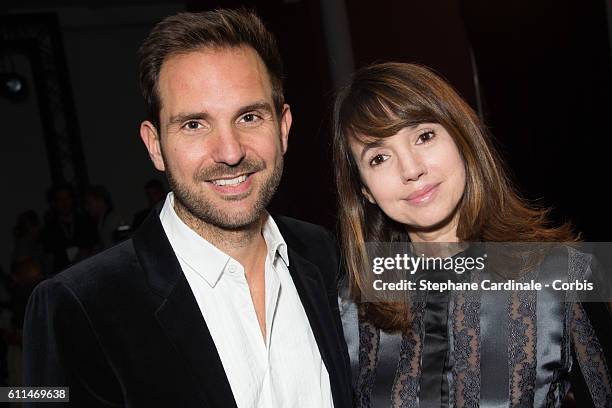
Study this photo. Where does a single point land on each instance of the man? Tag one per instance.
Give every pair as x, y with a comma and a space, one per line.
212, 303
68, 235
99, 207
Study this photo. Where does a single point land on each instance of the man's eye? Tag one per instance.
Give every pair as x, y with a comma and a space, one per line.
250, 118
378, 159
426, 136
192, 125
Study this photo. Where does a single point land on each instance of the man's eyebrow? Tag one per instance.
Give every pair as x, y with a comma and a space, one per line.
370, 145
185, 116
257, 106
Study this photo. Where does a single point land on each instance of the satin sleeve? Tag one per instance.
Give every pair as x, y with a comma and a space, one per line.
591, 339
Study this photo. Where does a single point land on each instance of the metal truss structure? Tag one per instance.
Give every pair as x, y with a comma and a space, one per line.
38, 37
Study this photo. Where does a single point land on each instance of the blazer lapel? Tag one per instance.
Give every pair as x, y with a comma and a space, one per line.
313, 295
179, 314
183, 323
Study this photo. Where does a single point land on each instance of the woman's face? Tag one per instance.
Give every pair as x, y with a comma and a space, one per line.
416, 177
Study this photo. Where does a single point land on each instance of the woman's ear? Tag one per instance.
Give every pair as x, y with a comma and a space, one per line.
366, 193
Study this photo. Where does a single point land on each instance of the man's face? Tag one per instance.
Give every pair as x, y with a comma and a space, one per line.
62, 202
220, 140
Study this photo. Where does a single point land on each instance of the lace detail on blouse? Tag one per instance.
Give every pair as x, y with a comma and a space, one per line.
591, 358
369, 341
522, 348
466, 333
406, 383
589, 352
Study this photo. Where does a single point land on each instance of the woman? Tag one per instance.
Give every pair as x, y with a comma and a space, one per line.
414, 164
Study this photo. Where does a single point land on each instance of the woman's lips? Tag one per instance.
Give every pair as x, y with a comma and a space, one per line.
423, 194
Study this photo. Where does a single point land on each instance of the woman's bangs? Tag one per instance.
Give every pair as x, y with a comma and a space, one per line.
379, 116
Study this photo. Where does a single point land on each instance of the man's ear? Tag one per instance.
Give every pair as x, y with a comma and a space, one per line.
285, 125
150, 137
366, 193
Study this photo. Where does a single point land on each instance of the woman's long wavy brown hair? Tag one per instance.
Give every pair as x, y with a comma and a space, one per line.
379, 101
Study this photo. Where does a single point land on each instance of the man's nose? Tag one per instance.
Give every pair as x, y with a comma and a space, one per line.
228, 148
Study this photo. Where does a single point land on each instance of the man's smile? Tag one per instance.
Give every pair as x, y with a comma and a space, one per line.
232, 186
230, 181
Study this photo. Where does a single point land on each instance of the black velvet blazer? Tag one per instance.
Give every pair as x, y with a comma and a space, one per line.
124, 329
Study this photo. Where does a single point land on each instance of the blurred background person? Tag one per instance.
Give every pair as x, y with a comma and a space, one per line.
98, 205
155, 191
26, 273
68, 234
27, 236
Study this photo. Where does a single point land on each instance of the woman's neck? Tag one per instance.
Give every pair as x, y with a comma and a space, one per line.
445, 233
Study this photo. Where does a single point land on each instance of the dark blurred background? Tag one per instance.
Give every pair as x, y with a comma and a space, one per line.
537, 71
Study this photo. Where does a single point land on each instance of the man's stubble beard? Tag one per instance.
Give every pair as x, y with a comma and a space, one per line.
208, 213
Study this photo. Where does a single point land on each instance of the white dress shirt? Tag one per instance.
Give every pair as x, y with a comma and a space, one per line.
287, 370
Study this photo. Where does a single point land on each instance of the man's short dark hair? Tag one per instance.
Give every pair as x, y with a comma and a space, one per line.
185, 32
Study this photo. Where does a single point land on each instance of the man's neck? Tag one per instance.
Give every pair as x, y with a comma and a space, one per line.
243, 244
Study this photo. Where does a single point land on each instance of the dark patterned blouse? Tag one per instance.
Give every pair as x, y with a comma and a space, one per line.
484, 349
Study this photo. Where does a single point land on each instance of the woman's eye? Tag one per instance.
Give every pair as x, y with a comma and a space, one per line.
378, 159
426, 136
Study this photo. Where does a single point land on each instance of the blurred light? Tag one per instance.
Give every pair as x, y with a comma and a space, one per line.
13, 86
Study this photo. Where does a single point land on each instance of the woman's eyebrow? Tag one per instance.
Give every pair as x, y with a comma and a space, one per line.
370, 145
